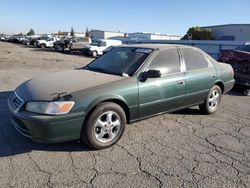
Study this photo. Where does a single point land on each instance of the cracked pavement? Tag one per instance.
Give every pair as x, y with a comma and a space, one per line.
182, 149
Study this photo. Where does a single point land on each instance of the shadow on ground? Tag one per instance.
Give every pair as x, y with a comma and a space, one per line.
13, 143
238, 91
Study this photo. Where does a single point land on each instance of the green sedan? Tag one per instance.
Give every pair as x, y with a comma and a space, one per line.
127, 84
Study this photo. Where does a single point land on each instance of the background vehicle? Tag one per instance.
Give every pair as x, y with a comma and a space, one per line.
2, 37
127, 84
59, 43
45, 43
97, 47
240, 61
73, 44
34, 40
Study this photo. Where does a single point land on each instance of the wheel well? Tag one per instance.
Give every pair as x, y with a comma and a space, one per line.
117, 101
123, 105
221, 85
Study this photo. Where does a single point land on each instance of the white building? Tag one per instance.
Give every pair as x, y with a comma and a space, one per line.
238, 32
67, 34
152, 36
99, 34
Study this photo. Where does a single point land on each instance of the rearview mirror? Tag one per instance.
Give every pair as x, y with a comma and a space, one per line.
149, 74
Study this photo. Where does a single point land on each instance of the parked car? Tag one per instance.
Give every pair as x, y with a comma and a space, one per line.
46, 43
97, 47
6, 38
73, 44
127, 84
240, 61
58, 45
2, 37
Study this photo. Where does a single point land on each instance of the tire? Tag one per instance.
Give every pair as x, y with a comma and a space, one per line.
67, 51
105, 126
212, 101
61, 49
94, 54
43, 45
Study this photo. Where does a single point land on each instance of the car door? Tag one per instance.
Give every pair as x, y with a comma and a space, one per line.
79, 43
73, 43
166, 93
200, 75
50, 42
103, 45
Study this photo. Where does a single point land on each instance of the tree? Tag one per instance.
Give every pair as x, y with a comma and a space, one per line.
31, 32
196, 33
72, 33
87, 32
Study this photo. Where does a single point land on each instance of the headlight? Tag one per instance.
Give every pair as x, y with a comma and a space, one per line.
50, 108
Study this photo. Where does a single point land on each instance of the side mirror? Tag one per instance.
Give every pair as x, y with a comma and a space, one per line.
149, 74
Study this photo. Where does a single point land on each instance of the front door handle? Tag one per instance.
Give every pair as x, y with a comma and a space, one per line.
181, 82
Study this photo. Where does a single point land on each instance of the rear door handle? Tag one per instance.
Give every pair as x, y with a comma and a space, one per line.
212, 76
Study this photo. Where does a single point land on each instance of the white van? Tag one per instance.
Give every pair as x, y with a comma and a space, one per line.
97, 47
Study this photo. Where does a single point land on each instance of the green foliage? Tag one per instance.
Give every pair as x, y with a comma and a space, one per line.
196, 33
31, 32
72, 33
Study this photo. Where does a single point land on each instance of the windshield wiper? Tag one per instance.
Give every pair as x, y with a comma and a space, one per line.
98, 69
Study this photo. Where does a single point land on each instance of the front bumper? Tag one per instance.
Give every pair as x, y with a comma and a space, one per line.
45, 128
242, 79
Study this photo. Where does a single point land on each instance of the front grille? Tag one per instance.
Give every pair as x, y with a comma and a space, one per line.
16, 101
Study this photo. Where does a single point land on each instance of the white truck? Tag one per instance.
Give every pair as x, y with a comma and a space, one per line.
46, 43
97, 47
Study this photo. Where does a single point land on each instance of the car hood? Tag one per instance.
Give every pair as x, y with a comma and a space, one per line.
48, 87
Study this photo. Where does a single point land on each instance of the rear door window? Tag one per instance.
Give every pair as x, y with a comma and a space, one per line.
194, 59
167, 61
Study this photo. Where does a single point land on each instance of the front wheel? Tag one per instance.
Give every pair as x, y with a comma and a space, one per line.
43, 45
212, 101
104, 126
94, 53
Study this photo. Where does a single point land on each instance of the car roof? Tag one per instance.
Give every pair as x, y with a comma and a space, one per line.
159, 46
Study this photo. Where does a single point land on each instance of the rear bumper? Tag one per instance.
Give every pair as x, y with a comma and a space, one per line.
47, 129
228, 86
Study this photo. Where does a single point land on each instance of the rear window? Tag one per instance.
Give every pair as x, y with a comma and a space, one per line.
85, 39
245, 48
194, 59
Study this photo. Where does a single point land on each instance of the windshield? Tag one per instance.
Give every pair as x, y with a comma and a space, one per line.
50, 39
96, 43
120, 61
244, 48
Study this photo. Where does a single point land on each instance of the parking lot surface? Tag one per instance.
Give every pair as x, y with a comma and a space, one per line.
182, 149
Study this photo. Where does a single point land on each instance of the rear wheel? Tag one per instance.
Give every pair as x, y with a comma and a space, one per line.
212, 101
104, 126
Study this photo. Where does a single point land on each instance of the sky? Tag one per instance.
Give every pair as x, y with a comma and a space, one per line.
161, 16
